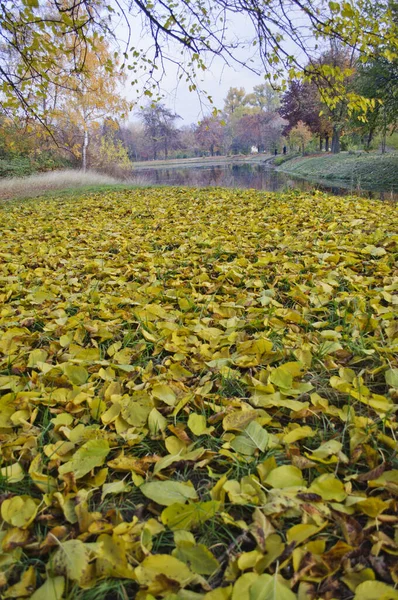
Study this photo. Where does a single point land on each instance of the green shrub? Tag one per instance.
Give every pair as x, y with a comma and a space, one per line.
21, 166
16, 167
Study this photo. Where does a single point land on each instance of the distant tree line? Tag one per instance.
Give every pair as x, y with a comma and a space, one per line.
247, 122
299, 118
86, 127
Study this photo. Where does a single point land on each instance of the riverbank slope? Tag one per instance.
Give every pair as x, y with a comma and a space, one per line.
357, 170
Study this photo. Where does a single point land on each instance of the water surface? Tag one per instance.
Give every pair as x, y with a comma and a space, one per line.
256, 176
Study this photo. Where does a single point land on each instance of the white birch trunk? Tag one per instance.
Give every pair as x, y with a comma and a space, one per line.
84, 150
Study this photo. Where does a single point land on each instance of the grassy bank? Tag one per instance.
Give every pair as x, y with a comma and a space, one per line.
198, 394
66, 182
364, 170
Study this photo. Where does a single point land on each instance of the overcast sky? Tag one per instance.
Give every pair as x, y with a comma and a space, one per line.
216, 81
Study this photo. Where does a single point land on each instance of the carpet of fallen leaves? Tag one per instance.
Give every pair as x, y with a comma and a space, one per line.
198, 394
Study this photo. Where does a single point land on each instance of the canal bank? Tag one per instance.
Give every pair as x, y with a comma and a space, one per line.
359, 171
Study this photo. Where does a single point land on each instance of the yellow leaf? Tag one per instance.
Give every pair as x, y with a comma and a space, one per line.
248, 560
163, 564
298, 433
111, 553
238, 419
242, 586
24, 587
285, 477
115, 487
136, 408
221, 593
270, 587
36, 356
52, 589
282, 378
77, 375
300, 533
163, 392
373, 507
19, 511
391, 376
375, 590
197, 557
156, 422
14, 538
92, 454
354, 578
167, 493
328, 487
180, 516
72, 559
388, 479
197, 424
253, 437
12, 473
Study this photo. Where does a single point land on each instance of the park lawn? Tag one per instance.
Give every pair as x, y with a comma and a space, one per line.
358, 171
198, 395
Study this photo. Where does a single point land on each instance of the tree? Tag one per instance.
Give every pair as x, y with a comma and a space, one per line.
111, 156
261, 129
264, 97
209, 134
17, 137
33, 33
235, 98
136, 141
318, 101
339, 63
302, 102
188, 141
81, 109
378, 80
300, 136
159, 125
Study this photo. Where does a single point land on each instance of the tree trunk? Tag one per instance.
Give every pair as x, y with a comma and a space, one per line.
384, 138
320, 143
212, 149
369, 139
336, 140
327, 143
384, 142
84, 150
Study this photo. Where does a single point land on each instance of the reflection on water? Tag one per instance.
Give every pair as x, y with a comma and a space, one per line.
259, 177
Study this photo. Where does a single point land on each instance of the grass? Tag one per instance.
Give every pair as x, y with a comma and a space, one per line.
369, 171
69, 182
108, 589
280, 160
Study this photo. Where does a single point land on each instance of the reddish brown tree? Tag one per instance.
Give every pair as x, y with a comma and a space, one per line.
209, 134
302, 102
261, 129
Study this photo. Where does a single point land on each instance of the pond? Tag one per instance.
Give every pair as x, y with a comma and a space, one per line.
257, 176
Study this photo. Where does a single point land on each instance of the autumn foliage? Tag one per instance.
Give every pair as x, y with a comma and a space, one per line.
198, 396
